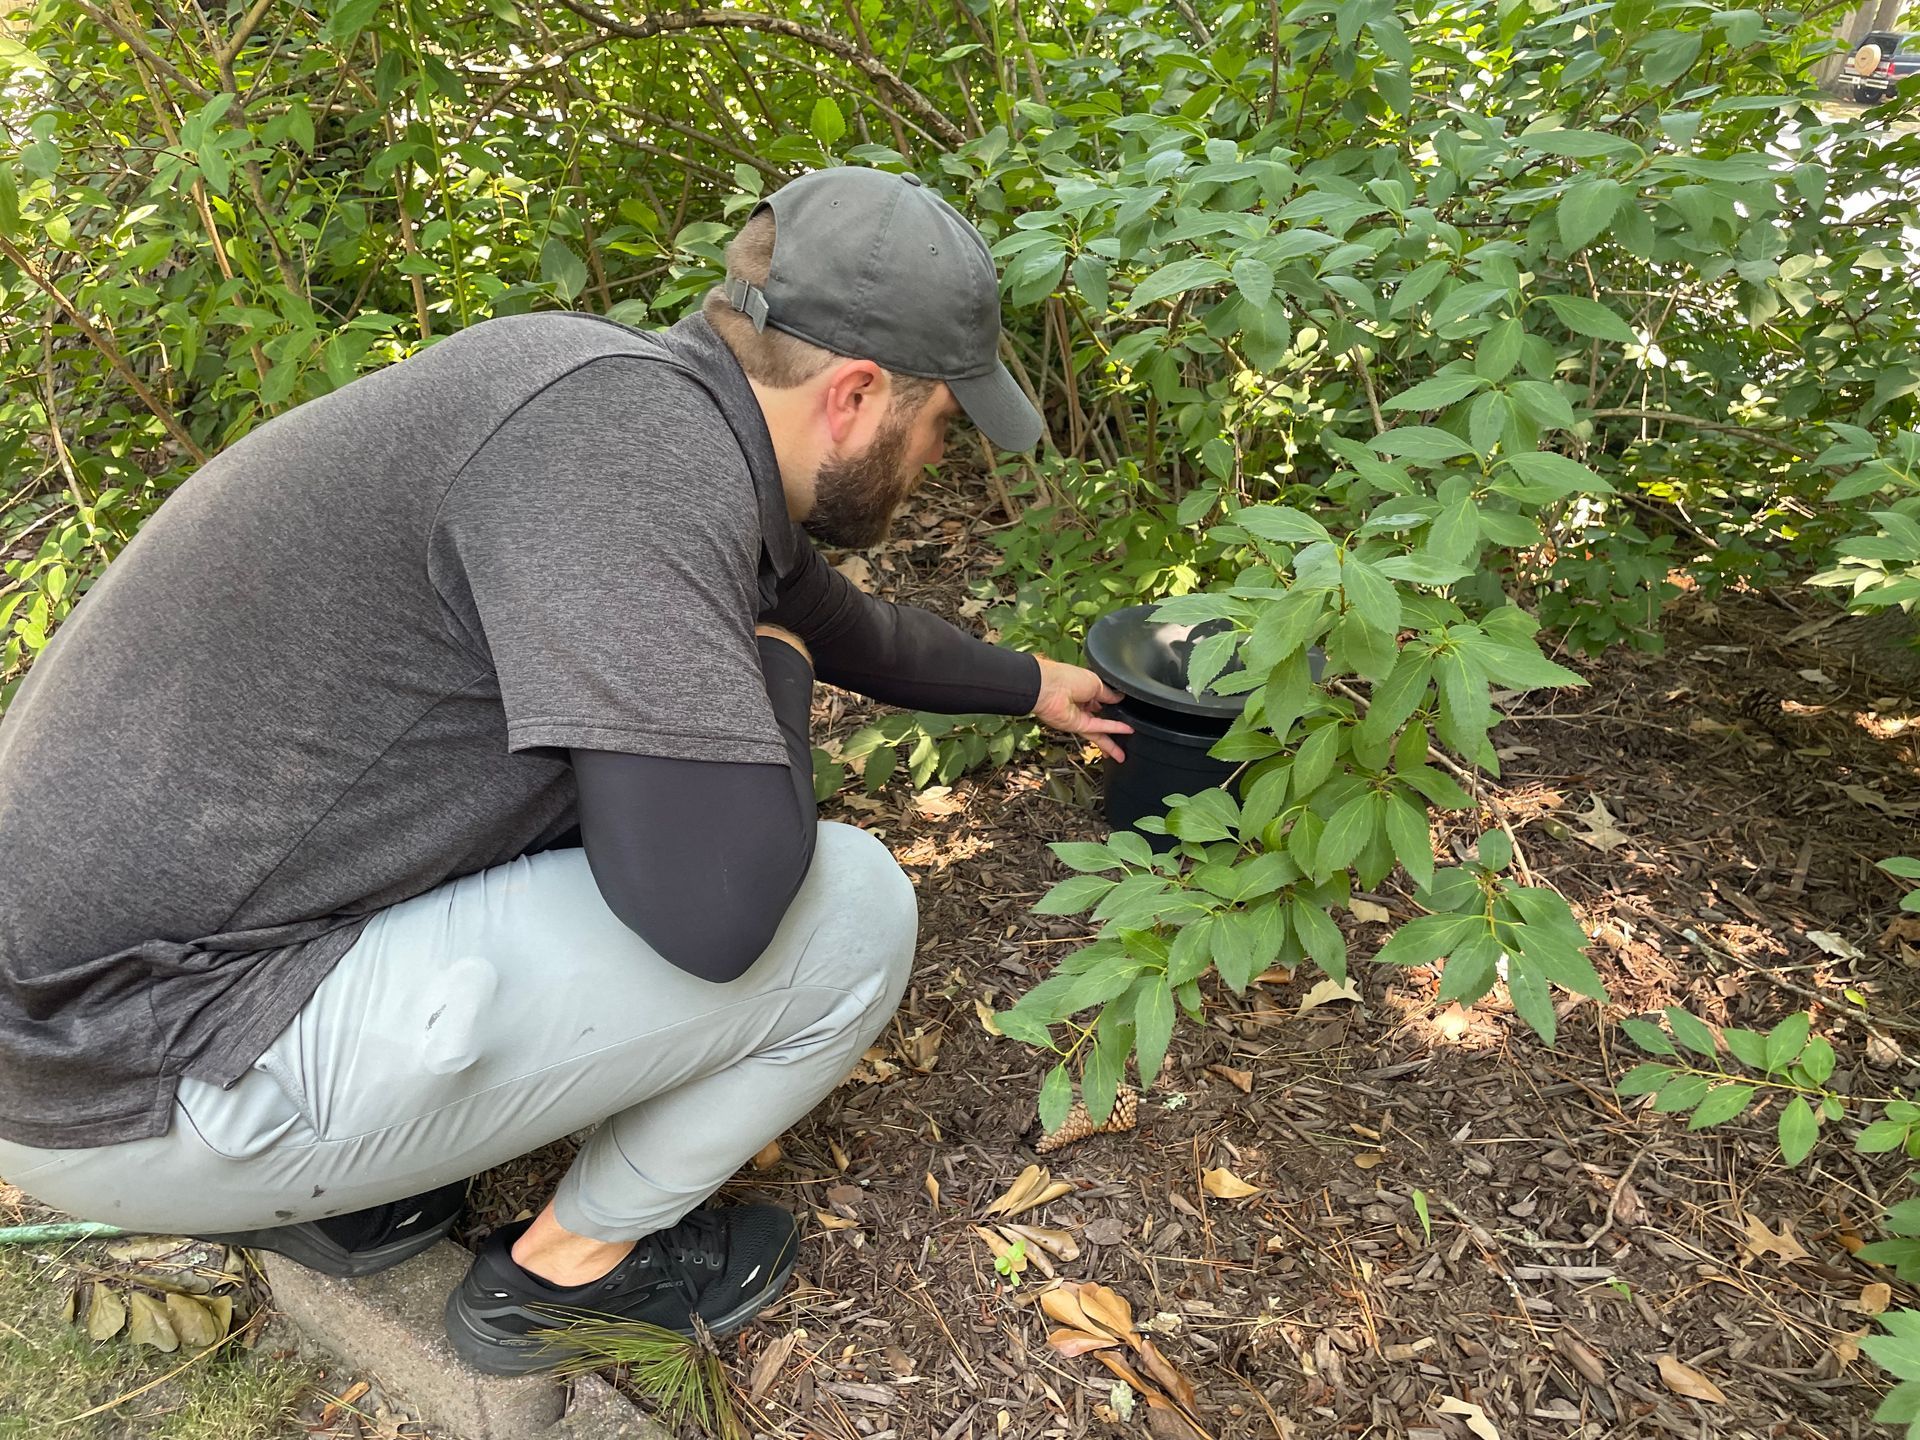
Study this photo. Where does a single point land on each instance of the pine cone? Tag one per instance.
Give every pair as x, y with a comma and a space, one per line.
1079, 1124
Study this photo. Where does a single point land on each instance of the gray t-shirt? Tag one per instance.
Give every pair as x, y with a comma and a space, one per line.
343, 664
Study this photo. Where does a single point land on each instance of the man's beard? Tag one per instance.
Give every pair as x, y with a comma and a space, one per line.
855, 499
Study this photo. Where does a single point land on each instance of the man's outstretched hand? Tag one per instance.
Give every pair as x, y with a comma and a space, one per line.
1070, 700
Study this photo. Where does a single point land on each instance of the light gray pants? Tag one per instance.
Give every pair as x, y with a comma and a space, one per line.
502, 1011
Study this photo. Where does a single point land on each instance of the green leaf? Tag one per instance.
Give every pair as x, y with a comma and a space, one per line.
826, 123
1072, 895
1153, 1025
1898, 1354
1348, 832
1100, 1081
1787, 1039
1371, 595
1191, 952
561, 268
1905, 866
1425, 940
1798, 1130
1280, 524
1496, 850
1056, 1098
1683, 1093
1818, 1060
1320, 937
1580, 144
1648, 1036
1471, 969
1254, 280
1084, 856
1587, 209
1176, 279
1901, 1407
1556, 472
1590, 317
1882, 1136
1532, 1000
1455, 531
1721, 1104
1313, 762
1643, 1079
1691, 1032
1412, 840
1434, 393
1749, 1047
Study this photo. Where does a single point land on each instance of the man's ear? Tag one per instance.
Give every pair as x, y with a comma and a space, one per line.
854, 397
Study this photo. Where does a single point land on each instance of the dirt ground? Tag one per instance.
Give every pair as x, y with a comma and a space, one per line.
1751, 776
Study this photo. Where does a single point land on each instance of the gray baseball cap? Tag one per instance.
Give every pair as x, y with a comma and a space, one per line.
876, 266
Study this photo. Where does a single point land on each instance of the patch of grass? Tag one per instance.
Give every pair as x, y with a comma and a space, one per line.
50, 1372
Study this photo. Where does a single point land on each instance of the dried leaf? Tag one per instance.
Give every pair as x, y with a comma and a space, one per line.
1367, 1159
768, 1156
1875, 1298
222, 1308
193, 1322
145, 1251
1171, 1380
1107, 1309
1241, 1080
1058, 1243
1223, 1184
1602, 831
1759, 1240
1687, 1381
840, 1161
106, 1313
830, 1221
1028, 1183
858, 572
937, 802
1327, 991
1836, 945
1475, 1417
1080, 1342
1275, 975
147, 1322
768, 1367
985, 1013
1581, 1356
1368, 913
1133, 1377
933, 1190
1062, 1303
1452, 1023
1846, 1347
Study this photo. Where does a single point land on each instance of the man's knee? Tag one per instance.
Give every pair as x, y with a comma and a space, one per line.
870, 920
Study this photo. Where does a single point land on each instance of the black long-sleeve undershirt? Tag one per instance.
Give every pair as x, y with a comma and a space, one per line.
702, 858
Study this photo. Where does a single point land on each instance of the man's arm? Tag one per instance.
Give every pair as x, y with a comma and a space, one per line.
905, 656
701, 858
900, 654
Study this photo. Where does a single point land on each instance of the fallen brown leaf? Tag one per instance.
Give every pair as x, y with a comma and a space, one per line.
1475, 1417
1058, 1243
984, 1012
933, 1190
1328, 991
147, 1323
106, 1313
1875, 1298
1367, 1159
1241, 1080
1275, 975
937, 802
1072, 1341
768, 1156
1687, 1381
830, 1221
1602, 831
1759, 1240
1368, 913
1581, 1356
767, 1368
858, 571
1004, 1249
1177, 1386
193, 1322
1108, 1309
1223, 1184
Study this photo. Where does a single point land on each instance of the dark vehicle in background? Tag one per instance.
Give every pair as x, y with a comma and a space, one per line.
1881, 60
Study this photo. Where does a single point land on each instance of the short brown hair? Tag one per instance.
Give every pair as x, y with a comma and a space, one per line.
774, 358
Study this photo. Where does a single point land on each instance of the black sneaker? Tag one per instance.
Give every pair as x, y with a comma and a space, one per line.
361, 1242
725, 1265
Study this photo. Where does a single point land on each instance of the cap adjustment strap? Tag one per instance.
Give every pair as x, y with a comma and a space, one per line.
749, 299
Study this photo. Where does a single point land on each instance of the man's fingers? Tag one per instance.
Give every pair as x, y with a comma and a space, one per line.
1098, 725
1108, 748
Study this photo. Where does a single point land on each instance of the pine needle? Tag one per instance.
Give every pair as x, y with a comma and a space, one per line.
681, 1375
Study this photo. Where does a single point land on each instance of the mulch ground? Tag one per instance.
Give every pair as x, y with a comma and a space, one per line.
1747, 779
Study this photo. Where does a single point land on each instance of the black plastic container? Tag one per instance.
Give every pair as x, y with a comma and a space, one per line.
1173, 729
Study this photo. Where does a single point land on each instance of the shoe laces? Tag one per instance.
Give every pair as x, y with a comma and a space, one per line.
693, 1252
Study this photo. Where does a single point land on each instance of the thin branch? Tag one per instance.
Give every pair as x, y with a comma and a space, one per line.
648, 26
107, 349
138, 46
249, 22
1745, 432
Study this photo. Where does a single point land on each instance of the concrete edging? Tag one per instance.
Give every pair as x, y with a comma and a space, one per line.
389, 1326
